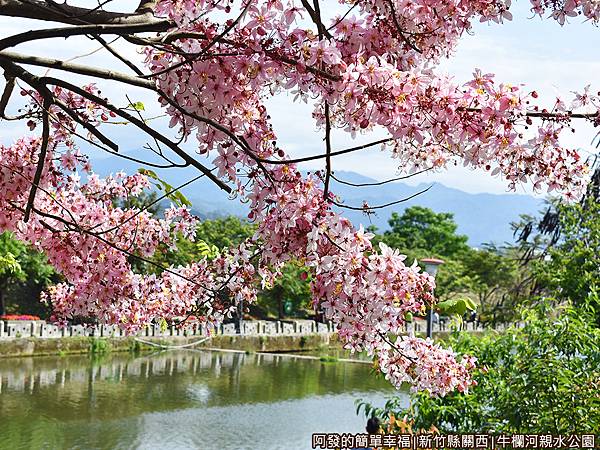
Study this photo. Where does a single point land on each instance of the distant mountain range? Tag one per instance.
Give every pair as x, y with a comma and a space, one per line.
482, 217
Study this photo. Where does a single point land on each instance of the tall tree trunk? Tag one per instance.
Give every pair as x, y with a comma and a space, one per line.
2, 305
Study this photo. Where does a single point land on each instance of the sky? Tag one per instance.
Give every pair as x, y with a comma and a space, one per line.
546, 57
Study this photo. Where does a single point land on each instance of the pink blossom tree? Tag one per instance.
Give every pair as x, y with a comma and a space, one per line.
212, 65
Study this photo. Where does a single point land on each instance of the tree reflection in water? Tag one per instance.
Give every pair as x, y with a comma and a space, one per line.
181, 399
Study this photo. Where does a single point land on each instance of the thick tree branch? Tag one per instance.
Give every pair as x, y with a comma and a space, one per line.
41, 83
328, 151
81, 30
145, 6
78, 68
8, 89
73, 15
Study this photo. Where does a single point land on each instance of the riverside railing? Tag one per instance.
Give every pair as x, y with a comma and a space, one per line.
40, 329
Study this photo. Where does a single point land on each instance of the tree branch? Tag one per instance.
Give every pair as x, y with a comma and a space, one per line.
81, 30
40, 84
328, 151
324, 155
90, 128
117, 55
316, 19
41, 161
78, 68
142, 126
379, 183
145, 6
366, 208
8, 89
30, 9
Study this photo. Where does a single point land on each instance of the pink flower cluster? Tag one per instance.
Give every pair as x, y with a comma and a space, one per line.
482, 125
374, 71
217, 69
561, 9
426, 365
367, 294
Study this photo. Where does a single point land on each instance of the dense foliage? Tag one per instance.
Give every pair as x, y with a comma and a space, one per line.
24, 272
571, 269
490, 276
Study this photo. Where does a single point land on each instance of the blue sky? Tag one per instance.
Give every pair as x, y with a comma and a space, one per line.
540, 53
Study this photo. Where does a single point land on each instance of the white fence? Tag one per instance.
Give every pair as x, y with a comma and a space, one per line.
23, 329
39, 329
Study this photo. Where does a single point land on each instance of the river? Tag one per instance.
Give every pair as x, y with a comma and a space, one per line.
180, 400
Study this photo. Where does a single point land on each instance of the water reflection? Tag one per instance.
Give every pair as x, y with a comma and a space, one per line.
176, 400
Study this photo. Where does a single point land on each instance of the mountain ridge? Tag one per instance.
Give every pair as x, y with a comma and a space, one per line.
483, 217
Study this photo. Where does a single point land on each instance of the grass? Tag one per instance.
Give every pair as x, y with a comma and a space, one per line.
328, 359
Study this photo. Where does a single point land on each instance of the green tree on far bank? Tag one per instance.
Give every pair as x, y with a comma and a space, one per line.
570, 268
291, 288
24, 273
487, 275
421, 232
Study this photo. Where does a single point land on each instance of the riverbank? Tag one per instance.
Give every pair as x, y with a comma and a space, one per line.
33, 346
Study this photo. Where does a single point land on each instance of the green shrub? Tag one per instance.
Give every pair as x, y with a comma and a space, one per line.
542, 378
99, 346
303, 341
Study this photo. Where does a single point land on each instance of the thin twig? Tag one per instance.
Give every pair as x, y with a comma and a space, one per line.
367, 208
379, 183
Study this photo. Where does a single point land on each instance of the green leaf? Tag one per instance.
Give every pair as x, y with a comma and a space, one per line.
181, 199
9, 264
206, 250
174, 195
456, 306
138, 106
149, 173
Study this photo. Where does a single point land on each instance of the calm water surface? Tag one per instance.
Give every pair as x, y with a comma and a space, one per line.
179, 400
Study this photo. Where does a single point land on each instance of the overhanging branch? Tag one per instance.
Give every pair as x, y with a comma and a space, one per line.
80, 30
78, 68
73, 15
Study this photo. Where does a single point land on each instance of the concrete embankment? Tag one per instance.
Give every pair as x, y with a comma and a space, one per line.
32, 346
